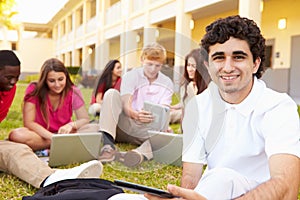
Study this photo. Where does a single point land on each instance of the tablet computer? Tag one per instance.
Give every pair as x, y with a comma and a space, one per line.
161, 116
142, 189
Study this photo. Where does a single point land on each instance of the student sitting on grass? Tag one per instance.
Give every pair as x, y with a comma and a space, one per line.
110, 78
19, 159
246, 134
123, 118
195, 80
48, 107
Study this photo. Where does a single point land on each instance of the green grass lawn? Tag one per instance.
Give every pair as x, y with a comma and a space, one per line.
149, 173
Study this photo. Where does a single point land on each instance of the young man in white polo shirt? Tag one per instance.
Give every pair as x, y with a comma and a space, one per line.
246, 134
255, 150
123, 119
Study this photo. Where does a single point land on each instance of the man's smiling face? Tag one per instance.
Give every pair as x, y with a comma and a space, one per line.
9, 76
231, 67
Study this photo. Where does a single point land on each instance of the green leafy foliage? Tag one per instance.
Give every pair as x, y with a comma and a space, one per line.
73, 70
6, 13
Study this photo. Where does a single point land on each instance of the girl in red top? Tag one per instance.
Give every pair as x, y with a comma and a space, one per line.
110, 78
48, 107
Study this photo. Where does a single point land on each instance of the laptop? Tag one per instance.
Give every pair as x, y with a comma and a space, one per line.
74, 148
161, 115
166, 147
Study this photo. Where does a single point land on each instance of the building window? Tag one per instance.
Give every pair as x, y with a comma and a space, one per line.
79, 16
14, 46
63, 58
269, 53
70, 58
69, 24
93, 8
268, 61
55, 34
63, 28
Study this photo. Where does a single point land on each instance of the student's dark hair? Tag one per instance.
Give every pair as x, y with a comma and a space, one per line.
202, 77
238, 27
106, 76
41, 89
8, 58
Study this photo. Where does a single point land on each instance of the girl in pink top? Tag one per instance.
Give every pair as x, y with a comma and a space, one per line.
110, 78
48, 107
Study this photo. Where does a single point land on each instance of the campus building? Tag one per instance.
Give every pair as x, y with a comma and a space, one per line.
88, 33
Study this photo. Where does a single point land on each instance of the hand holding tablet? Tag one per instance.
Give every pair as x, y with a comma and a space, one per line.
161, 114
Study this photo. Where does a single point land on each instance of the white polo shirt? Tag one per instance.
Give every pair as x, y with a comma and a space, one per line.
264, 124
137, 84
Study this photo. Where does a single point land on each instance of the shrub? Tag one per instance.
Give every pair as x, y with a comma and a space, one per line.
31, 78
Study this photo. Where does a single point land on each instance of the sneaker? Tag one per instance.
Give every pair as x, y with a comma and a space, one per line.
107, 154
119, 156
133, 158
91, 169
42, 153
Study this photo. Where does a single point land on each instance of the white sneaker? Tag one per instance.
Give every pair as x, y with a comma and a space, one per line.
91, 169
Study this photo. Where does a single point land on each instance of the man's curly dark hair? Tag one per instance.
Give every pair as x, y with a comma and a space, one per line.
238, 27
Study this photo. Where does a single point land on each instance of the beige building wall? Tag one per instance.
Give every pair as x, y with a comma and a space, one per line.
33, 53
89, 33
200, 24
273, 11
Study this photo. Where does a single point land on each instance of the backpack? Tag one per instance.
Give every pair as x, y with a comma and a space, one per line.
72, 189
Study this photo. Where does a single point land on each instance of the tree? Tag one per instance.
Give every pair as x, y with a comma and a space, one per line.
6, 13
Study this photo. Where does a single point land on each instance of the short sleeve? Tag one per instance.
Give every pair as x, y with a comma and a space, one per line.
77, 98
28, 91
193, 141
118, 84
129, 82
280, 128
101, 88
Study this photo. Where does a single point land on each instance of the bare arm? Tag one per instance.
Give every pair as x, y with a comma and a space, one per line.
192, 88
126, 103
176, 106
284, 182
29, 113
82, 119
99, 97
191, 175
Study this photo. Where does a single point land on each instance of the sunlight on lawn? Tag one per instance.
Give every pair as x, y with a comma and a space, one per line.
148, 173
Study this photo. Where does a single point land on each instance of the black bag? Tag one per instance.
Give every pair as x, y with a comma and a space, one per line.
72, 189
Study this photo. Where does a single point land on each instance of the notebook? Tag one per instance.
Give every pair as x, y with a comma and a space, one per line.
74, 148
161, 115
166, 147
